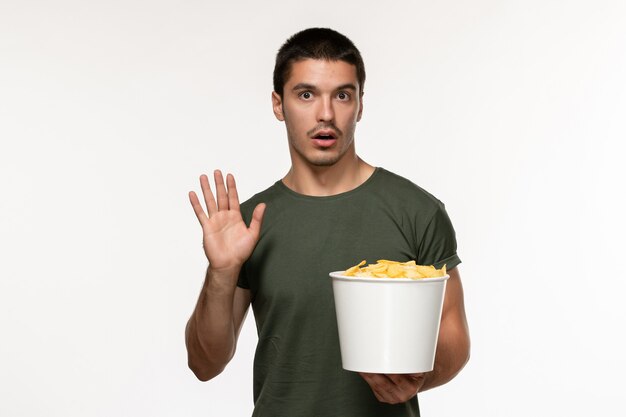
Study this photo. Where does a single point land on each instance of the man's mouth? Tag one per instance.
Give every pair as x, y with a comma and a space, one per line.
325, 135
324, 138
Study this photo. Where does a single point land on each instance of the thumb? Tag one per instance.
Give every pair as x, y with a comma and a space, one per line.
257, 220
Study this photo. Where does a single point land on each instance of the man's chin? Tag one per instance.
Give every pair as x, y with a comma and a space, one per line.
321, 158
324, 162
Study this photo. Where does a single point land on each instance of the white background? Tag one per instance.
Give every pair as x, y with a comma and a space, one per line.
511, 112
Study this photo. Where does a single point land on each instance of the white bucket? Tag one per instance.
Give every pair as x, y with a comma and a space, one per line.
388, 325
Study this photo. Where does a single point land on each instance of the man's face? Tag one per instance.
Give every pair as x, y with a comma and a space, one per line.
321, 105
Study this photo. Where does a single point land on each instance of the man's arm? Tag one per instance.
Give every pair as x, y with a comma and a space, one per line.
453, 349
453, 344
213, 328
212, 331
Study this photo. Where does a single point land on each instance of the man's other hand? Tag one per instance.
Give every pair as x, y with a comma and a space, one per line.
394, 388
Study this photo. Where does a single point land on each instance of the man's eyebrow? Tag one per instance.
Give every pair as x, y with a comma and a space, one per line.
306, 86
348, 86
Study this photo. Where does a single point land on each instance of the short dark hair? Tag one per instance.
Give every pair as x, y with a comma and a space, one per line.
316, 43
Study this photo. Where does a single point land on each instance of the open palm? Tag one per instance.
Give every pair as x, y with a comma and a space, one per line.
227, 241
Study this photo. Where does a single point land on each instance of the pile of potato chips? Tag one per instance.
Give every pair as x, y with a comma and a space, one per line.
393, 269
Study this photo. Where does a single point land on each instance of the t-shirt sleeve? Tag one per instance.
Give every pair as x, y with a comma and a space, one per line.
438, 244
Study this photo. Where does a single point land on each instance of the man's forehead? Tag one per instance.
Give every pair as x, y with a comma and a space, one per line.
321, 71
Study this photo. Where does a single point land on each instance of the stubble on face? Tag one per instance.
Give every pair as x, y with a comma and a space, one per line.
325, 157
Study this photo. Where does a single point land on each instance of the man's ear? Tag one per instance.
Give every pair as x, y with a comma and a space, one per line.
358, 117
277, 106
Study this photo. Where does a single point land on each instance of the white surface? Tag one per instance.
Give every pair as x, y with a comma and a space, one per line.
511, 112
388, 326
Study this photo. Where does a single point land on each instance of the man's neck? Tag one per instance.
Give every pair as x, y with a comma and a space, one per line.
319, 181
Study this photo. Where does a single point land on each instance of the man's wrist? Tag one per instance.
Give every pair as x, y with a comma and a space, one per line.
428, 380
222, 280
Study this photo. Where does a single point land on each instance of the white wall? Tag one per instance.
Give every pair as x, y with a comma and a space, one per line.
511, 112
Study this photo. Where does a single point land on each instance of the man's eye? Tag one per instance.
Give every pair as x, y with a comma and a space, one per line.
343, 96
306, 95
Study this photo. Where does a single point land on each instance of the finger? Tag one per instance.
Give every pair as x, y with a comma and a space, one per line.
406, 385
257, 220
417, 376
382, 387
209, 200
400, 380
197, 207
379, 397
233, 197
371, 382
220, 189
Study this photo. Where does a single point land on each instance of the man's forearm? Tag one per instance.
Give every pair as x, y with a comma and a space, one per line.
210, 333
453, 350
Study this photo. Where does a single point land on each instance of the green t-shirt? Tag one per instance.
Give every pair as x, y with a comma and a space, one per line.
297, 365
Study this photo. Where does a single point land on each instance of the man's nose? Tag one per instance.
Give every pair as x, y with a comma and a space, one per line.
325, 112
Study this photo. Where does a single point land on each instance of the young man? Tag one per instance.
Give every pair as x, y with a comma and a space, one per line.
330, 210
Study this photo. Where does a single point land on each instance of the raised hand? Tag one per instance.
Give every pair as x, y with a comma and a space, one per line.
227, 241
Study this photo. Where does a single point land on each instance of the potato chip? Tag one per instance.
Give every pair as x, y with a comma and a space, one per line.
393, 269
354, 269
